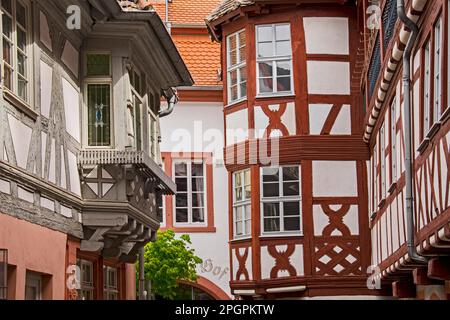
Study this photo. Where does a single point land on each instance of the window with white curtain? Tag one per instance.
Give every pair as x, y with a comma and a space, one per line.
190, 200
236, 66
394, 139
437, 71
281, 200
427, 87
274, 59
242, 215
16, 36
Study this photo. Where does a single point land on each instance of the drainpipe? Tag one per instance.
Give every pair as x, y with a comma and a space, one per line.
142, 293
172, 100
168, 24
412, 252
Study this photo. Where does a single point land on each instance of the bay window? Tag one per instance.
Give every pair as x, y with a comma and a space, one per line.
190, 198
236, 66
274, 59
98, 99
437, 71
242, 215
16, 35
281, 200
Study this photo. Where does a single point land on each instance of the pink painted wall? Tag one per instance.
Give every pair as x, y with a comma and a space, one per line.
34, 248
130, 278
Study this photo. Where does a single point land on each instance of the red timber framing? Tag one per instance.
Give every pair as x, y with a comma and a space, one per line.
338, 276
431, 170
169, 210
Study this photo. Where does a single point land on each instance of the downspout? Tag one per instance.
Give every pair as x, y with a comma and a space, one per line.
172, 100
412, 252
142, 293
168, 24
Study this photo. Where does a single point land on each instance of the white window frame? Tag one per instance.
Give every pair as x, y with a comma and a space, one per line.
241, 63
376, 191
383, 159
437, 103
274, 59
89, 80
189, 177
242, 204
84, 286
107, 289
152, 134
281, 199
427, 87
394, 139
14, 47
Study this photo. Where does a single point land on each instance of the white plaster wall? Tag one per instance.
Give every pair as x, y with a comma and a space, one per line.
72, 110
334, 179
46, 88
328, 77
321, 220
261, 123
237, 127
21, 135
343, 123
318, 113
268, 262
326, 35
288, 118
199, 127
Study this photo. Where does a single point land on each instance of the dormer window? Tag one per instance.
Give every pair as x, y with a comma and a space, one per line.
274, 59
237, 68
98, 99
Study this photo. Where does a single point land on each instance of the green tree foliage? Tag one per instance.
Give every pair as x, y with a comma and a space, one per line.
168, 260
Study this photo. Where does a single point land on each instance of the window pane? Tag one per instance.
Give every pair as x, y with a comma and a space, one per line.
181, 184
239, 228
7, 26
290, 174
198, 184
264, 33
234, 93
283, 48
283, 68
233, 58
265, 69
248, 192
239, 212
248, 226
292, 224
21, 63
21, 39
197, 200
238, 194
265, 49
248, 212
282, 32
197, 169
271, 175
237, 179
291, 208
266, 85
181, 200
271, 209
182, 215
247, 177
98, 65
21, 14
181, 169
7, 52
233, 78
8, 77
291, 189
99, 114
6, 4
271, 190
22, 88
271, 224
198, 215
232, 43
283, 84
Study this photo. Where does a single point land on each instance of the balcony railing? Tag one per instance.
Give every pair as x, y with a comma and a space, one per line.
128, 157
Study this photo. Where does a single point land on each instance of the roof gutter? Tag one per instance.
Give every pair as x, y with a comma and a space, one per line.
411, 25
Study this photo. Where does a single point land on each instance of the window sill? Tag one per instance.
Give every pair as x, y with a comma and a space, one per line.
423, 146
234, 103
190, 229
281, 235
275, 95
20, 104
240, 239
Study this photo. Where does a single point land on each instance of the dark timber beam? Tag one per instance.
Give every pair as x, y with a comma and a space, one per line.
420, 276
403, 289
439, 268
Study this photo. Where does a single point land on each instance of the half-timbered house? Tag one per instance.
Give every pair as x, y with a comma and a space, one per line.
80, 165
